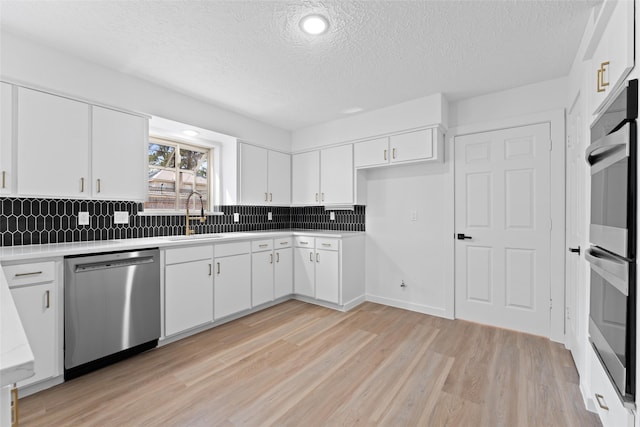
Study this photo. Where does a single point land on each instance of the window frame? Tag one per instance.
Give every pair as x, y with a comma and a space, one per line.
189, 145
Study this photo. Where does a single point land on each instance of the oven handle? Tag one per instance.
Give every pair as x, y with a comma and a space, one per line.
614, 270
609, 149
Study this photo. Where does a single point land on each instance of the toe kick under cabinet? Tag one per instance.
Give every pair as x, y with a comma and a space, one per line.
329, 271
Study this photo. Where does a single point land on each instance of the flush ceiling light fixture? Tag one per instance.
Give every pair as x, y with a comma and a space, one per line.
190, 132
314, 24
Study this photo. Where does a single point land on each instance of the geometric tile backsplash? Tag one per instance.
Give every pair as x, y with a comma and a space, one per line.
26, 221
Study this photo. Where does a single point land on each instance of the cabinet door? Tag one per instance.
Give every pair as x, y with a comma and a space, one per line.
119, 146
232, 288
279, 178
305, 182
6, 130
336, 175
253, 175
328, 276
613, 58
371, 153
412, 146
262, 278
35, 305
188, 295
283, 272
304, 272
53, 145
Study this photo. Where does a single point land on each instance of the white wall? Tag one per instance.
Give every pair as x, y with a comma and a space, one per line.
24, 61
413, 114
533, 98
419, 252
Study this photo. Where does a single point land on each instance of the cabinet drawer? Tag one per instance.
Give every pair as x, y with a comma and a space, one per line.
26, 274
608, 404
285, 242
192, 253
261, 245
304, 242
328, 244
228, 249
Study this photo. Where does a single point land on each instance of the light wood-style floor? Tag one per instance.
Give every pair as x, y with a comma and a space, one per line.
301, 365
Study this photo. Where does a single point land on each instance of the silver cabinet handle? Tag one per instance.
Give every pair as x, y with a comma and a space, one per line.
303, 243
310, 256
82, 185
47, 299
264, 245
393, 153
277, 256
328, 245
284, 243
271, 197
210, 269
316, 197
4, 179
266, 199
323, 197
385, 154
270, 258
98, 184
601, 402
317, 257
33, 273
218, 266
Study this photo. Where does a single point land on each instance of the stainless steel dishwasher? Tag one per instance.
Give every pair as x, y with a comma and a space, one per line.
111, 308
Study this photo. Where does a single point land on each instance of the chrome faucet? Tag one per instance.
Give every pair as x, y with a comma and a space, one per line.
188, 230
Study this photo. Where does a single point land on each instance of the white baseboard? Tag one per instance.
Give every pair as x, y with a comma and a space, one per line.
39, 386
419, 308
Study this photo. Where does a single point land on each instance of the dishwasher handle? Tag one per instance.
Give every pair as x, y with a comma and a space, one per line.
116, 263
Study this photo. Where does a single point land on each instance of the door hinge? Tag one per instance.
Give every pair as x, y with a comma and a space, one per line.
550, 303
550, 224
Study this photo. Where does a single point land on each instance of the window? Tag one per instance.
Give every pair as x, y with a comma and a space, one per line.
175, 170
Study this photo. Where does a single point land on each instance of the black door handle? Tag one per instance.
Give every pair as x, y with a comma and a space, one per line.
575, 250
461, 236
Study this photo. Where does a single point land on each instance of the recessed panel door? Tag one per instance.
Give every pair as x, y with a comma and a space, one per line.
503, 228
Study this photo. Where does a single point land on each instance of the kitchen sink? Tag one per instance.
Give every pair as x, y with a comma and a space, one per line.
194, 237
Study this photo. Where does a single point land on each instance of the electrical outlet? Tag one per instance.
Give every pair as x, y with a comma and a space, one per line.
332, 216
236, 217
270, 216
121, 217
83, 218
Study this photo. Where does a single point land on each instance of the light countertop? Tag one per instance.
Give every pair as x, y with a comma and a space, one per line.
31, 252
16, 357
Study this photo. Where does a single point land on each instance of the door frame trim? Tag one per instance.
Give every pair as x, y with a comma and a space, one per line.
557, 120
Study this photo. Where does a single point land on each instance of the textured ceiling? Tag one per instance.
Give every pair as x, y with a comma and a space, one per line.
251, 57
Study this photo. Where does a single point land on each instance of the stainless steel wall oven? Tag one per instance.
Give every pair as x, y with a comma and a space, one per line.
612, 157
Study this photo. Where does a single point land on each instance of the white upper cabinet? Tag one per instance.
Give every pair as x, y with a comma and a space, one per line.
265, 176
409, 147
306, 178
118, 153
53, 146
613, 54
412, 146
6, 131
371, 153
279, 178
336, 175
253, 175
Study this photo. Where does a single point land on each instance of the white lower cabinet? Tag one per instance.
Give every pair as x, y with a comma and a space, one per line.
608, 405
232, 284
328, 275
262, 266
188, 288
304, 267
34, 291
283, 267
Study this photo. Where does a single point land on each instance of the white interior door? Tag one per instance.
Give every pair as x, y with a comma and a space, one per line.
502, 204
576, 271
